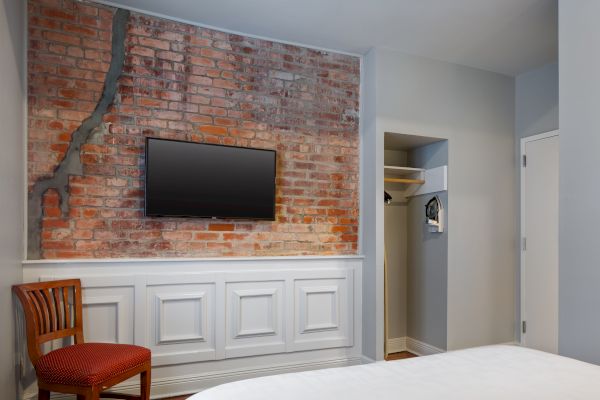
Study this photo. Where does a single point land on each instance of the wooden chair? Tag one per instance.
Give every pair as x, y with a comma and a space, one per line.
53, 310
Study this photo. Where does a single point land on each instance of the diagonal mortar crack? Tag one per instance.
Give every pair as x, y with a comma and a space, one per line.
71, 163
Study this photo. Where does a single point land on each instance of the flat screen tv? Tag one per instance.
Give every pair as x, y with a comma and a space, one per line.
185, 179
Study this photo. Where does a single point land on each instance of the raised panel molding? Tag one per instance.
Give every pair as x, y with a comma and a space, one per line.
199, 317
239, 327
92, 316
325, 301
254, 318
221, 319
180, 324
323, 312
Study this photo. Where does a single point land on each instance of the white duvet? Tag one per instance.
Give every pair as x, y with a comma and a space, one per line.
492, 372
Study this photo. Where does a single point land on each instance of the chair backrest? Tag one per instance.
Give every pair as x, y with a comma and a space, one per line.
53, 310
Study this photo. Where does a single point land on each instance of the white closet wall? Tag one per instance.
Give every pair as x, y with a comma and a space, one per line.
396, 225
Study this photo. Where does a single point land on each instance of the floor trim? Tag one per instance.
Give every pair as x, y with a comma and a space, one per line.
396, 345
421, 348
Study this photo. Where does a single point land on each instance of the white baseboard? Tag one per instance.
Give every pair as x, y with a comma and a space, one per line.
420, 348
367, 360
396, 345
182, 385
405, 343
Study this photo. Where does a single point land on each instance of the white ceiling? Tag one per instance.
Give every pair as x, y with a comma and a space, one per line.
505, 36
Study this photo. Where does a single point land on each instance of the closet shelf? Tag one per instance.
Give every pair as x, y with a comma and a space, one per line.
401, 171
405, 180
408, 175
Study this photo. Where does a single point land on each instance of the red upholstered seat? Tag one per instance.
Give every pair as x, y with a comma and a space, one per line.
89, 364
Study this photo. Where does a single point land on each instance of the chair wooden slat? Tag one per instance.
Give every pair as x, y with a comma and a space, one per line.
59, 310
78, 317
39, 316
35, 314
44, 310
66, 307
51, 308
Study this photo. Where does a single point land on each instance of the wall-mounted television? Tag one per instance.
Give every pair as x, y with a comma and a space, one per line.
186, 179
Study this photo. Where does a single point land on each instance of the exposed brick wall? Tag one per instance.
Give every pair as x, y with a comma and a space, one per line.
189, 83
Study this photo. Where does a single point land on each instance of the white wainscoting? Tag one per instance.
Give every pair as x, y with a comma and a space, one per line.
210, 321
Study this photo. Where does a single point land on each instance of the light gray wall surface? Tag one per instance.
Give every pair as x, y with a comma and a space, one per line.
579, 249
12, 102
427, 265
536, 111
536, 101
371, 215
474, 110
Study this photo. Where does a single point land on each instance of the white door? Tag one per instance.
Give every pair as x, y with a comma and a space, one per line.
539, 230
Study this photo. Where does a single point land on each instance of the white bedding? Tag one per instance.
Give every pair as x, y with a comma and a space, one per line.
492, 372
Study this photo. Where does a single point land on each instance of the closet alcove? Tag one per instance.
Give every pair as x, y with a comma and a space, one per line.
416, 253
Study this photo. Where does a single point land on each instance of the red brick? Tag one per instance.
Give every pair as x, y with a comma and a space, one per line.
62, 38
150, 42
206, 236
57, 244
142, 51
210, 53
221, 227
225, 121
60, 14
214, 130
169, 55
79, 30
170, 115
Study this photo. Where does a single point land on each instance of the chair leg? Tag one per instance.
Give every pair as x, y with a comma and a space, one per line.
145, 383
94, 395
43, 394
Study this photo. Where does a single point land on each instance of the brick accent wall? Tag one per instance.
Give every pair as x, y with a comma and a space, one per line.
189, 83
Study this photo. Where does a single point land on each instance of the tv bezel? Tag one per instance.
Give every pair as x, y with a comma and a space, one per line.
146, 175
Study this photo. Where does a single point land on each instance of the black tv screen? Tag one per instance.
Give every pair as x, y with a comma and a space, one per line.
185, 179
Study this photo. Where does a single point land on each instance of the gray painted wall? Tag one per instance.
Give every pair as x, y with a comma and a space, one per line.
536, 111
579, 109
427, 258
12, 106
371, 216
536, 101
474, 110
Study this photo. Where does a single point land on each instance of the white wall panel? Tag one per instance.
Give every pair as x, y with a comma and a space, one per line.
323, 313
105, 319
255, 316
221, 315
181, 324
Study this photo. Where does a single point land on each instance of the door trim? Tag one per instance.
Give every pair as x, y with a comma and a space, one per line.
524, 141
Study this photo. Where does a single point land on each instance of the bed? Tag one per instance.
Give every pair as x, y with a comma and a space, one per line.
491, 372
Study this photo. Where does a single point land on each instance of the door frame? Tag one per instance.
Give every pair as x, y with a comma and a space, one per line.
524, 141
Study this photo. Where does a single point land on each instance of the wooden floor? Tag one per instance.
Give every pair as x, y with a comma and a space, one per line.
394, 356
400, 356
